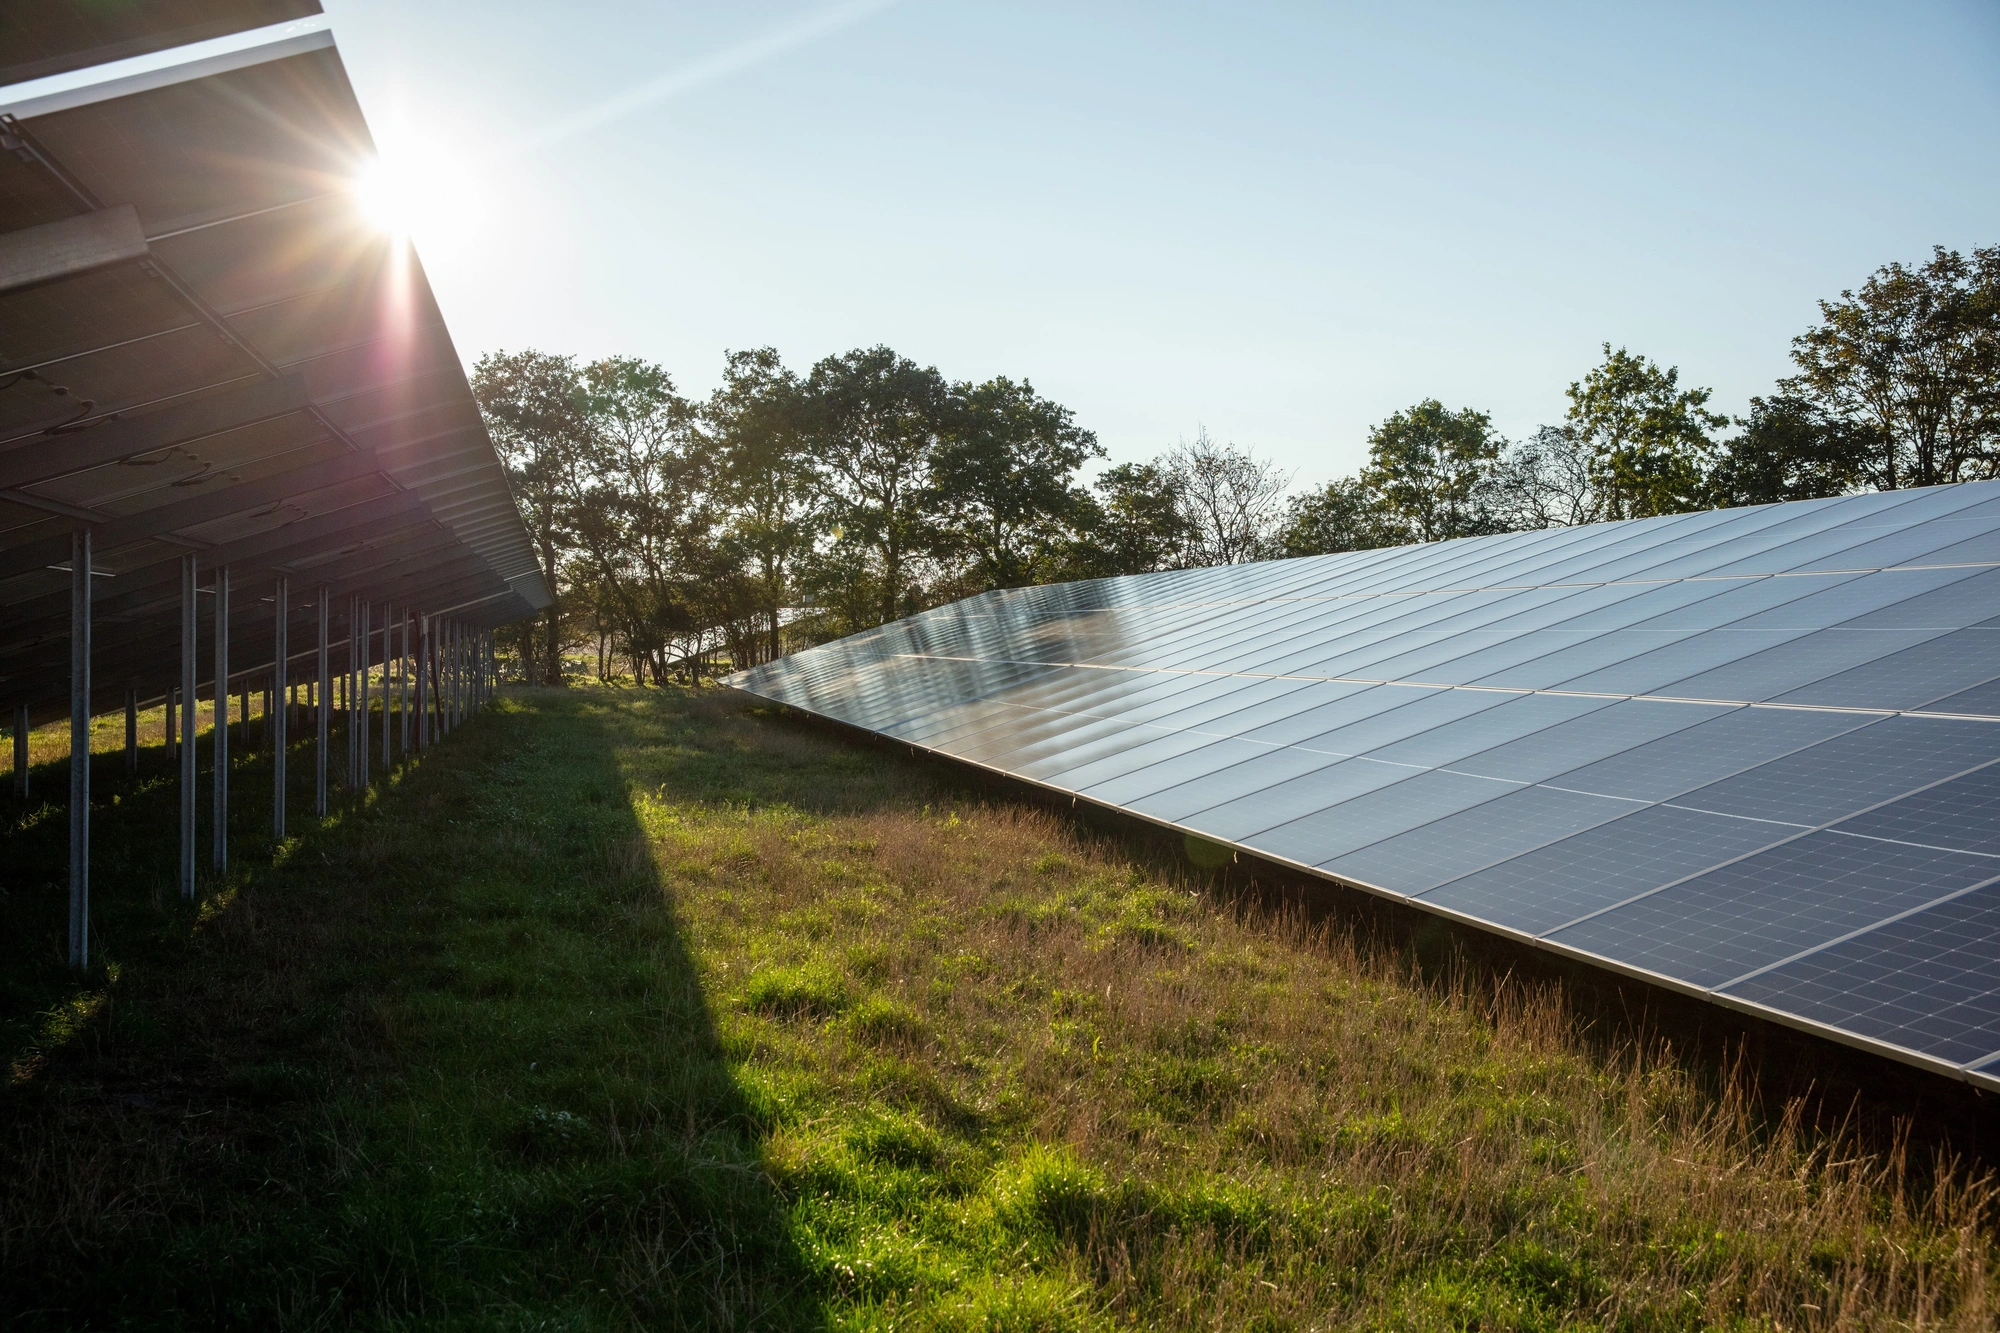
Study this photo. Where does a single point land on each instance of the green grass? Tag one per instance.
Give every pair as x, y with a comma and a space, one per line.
654, 1010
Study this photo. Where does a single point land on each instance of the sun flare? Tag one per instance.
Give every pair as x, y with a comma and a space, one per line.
426, 198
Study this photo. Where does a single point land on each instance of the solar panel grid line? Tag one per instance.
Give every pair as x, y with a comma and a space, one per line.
1765, 546
1973, 1071
1416, 593
1494, 689
1804, 831
1571, 791
1890, 920
1607, 661
1777, 527
1920, 533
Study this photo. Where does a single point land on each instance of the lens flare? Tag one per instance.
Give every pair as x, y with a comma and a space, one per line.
383, 199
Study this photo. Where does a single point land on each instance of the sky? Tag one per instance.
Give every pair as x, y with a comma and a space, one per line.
1279, 222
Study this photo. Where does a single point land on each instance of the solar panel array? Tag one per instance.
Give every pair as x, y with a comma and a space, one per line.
1749, 753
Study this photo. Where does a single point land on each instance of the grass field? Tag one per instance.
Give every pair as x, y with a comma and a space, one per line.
642, 1009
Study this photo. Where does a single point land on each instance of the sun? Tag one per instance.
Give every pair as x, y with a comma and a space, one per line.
384, 197
429, 198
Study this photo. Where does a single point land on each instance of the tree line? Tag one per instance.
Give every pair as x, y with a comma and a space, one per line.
787, 508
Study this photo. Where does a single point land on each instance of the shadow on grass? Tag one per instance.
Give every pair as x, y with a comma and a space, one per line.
443, 1061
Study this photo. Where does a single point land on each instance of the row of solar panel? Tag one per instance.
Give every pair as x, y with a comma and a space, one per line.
1578, 857
1302, 710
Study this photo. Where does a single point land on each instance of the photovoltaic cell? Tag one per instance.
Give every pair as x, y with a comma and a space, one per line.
1929, 982
1737, 918
1652, 846
1742, 749
1955, 814
1447, 848
1851, 772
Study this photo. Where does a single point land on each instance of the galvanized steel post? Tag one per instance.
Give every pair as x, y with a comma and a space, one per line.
403, 680
278, 723
219, 747
325, 680
361, 694
79, 749
388, 760
423, 682
185, 710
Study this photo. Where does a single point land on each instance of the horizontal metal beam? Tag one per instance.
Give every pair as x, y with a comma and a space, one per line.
268, 550
206, 507
57, 250
49, 456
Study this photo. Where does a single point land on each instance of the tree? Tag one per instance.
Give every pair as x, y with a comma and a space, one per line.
1232, 500
876, 421
1787, 450
1134, 524
756, 424
1003, 485
1342, 515
1647, 436
647, 516
1544, 481
533, 406
1425, 468
1915, 357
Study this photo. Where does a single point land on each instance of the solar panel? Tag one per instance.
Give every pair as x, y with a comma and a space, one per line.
1752, 754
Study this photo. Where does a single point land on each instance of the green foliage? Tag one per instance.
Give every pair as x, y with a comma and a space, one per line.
1911, 364
1342, 515
1003, 484
1787, 450
1136, 523
1648, 438
1426, 467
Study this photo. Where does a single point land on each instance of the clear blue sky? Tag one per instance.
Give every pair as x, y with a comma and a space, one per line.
1281, 221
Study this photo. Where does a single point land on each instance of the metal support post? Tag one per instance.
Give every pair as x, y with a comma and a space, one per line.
219, 746
185, 708
403, 679
278, 719
79, 749
347, 690
21, 751
388, 756
361, 691
319, 712
131, 731
423, 682
448, 676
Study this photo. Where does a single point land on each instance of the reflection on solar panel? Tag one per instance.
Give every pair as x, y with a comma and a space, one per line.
1749, 754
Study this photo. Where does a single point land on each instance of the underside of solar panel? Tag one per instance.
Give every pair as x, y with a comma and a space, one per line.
208, 351
1749, 753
